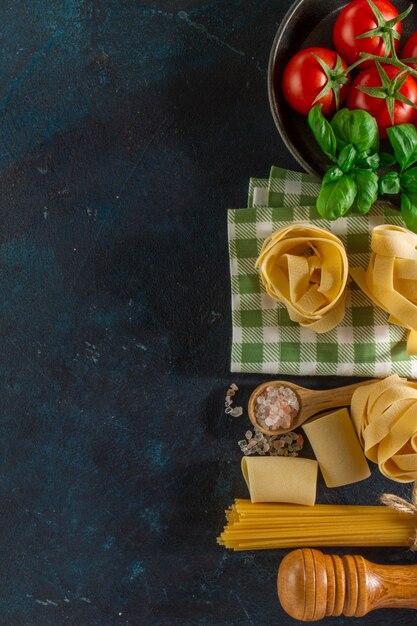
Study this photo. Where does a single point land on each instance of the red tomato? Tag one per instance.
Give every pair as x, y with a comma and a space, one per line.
410, 49
358, 18
377, 107
304, 78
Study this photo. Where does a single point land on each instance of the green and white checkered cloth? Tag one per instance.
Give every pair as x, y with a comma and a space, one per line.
265, 340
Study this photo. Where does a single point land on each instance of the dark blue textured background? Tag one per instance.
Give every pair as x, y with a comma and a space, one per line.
127, 128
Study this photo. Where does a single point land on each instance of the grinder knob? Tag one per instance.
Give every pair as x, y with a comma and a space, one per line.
312, 585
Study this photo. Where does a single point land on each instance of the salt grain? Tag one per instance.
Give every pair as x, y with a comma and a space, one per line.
258, 443
237, 411
276, 407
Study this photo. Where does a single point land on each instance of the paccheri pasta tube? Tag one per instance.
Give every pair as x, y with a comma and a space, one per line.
391, 278
336, 448
280, 479
306, 268
385, 418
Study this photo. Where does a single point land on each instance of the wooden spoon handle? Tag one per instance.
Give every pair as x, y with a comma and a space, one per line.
312, 585
317, 401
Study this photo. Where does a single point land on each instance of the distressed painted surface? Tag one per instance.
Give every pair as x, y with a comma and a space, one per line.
126, 130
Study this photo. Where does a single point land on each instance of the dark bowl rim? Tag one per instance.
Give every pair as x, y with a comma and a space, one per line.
271, 94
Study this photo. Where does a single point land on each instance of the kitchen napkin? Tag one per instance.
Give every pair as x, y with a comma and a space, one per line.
265, 340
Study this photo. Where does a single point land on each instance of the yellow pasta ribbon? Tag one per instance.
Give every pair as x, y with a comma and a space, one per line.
391, 278
306, 268
384, 415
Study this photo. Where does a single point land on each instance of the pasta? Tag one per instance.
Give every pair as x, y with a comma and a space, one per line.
384, 415
336, 448
391, 278
280, 479
306, 268
263, 526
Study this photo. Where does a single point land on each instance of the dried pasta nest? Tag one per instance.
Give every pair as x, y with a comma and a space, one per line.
384, 414
306, 268
391, 278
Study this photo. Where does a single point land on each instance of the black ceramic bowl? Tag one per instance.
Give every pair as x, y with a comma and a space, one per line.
307, 23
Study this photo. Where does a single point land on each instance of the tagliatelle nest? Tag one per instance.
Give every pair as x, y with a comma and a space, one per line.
306, 268
391, 278
384, 415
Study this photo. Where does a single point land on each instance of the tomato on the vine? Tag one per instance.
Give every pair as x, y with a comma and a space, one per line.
315, 76
367, 26
410, 49
395, 93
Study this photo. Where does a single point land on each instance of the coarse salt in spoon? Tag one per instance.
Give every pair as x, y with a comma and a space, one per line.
278, 406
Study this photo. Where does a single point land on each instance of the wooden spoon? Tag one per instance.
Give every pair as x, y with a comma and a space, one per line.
311, 402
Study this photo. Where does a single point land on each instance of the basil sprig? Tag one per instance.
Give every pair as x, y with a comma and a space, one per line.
352, 183
403, 139
351, 141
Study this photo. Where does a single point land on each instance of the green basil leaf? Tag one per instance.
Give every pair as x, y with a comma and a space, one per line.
332, 174
339, 125
336, 197
403, 139
363, 131
356, 127
390, 183
368, 161
367, 186
347, 158
386, 159
409, 180
409, 210
322, 132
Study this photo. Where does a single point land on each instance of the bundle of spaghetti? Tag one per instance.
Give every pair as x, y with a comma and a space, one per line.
262, 526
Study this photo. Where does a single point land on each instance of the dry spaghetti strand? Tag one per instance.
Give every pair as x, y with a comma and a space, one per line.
265, 526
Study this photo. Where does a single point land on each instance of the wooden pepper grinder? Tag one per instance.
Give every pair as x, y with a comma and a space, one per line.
312, 585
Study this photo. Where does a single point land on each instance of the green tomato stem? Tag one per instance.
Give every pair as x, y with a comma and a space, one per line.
389, 61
